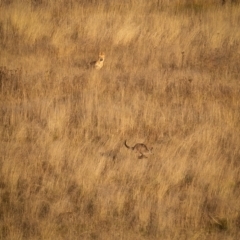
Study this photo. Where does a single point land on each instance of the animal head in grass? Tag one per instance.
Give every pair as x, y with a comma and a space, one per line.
98, 64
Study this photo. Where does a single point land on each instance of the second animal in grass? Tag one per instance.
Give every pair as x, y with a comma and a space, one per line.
141, 149
99, 63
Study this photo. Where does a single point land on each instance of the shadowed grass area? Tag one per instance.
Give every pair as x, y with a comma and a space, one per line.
170, 80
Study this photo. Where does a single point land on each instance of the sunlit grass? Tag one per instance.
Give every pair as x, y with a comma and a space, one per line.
170, 79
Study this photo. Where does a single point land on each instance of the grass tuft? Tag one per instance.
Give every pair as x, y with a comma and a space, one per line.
170, 80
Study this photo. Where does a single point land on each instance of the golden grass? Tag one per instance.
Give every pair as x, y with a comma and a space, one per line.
170, 80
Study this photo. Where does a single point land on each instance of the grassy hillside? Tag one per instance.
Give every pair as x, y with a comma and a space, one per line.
170, 80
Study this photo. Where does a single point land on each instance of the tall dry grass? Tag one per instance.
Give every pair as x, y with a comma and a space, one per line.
170, 80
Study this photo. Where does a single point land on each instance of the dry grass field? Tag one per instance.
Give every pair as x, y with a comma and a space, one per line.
170, 80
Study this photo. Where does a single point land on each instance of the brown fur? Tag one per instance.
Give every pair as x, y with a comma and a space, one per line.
140, 148
99, 63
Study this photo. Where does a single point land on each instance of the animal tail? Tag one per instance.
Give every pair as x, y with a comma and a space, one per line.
125, 143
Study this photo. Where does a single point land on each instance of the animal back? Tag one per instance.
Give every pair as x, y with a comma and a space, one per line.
141, 147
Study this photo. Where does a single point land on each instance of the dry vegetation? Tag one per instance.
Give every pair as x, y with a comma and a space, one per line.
170, 80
